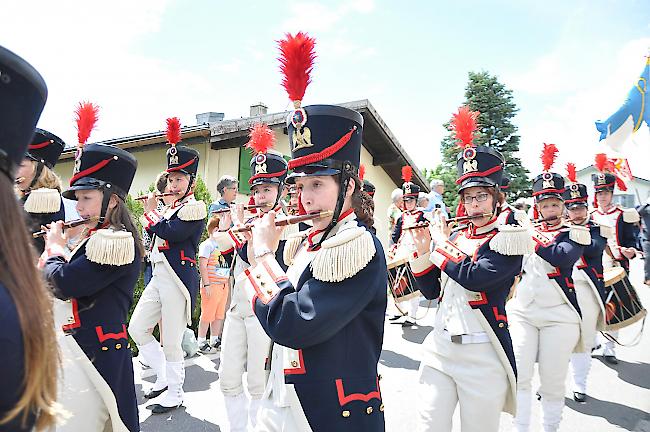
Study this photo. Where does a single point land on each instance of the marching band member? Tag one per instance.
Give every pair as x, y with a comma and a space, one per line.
161, 187
28, 350
621, 246
171, 293
97, 280
508, 214
471, 272
325, 314
367, 202
402, 241
587, 278
37, 184
544, 313
245, 346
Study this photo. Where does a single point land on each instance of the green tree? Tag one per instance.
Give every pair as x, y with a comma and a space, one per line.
484, 93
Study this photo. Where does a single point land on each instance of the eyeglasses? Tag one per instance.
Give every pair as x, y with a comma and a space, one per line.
467, 200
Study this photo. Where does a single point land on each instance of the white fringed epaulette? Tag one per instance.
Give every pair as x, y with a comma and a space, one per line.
607, 231
193, 211
343, 255
43, 200
291, 246
512, 240
289, 231
110, 247
630, 215
521, 216
579, 234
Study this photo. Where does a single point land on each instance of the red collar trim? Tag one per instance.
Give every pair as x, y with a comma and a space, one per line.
93, 230
482, 231
178, 203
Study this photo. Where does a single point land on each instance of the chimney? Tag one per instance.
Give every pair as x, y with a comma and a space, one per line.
258, 109
209, 117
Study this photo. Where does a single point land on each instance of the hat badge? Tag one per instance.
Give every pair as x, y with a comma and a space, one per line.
260, 164
301, 133
77, 161
575, 191
547, 178
601, 179
470, 164
407, 188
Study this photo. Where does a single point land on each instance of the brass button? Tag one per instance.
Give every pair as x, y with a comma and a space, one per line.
501, 325
258, 276
70, 320
369, 410
381, 407
128, 345
269, 291
118, 346
104, 348
262, 283
346, 413
294, 363
182, 262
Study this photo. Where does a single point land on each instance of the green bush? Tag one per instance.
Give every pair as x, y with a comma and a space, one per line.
136, 208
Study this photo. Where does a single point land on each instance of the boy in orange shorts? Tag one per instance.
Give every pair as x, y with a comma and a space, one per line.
214, 265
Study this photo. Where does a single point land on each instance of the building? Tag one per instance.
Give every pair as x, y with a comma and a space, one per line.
638, 190
221, 145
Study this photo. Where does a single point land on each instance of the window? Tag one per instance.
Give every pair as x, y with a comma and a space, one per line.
625, 200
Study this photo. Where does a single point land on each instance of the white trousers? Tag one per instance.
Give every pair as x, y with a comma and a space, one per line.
581, 362
161, 299
244, 347
548, 336
470, 375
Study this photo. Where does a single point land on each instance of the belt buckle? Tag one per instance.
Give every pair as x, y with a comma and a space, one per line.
457, 339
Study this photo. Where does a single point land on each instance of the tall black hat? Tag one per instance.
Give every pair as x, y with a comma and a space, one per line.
603, 180
267, 165
45, 148
409, 189
575, 194
180, 158
367, 187
22, 97
505, 182
548, 184
480, 166
99, 166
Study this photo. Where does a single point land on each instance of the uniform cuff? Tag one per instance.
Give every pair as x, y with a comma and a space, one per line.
422, 265
224, 242
151, 218
236, 238
262, 279
444, 252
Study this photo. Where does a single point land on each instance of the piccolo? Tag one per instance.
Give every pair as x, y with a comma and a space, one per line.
449, 221
158, 195
246, 207
19, 180
290, 220
71, 224
544, 220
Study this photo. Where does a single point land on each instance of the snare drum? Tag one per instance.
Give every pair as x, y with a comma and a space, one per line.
622, 304
401, 280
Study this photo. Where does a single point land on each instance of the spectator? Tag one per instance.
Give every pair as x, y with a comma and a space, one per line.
227, 188
394, 209
423, 200
435, 198
644, 212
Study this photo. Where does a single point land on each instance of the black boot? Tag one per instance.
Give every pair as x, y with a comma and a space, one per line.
152, 394
579, 397
159, 409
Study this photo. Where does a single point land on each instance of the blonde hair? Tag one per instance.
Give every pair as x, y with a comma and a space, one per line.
48, 179
33, 303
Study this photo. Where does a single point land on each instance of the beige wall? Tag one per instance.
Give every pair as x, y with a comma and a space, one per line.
215, 163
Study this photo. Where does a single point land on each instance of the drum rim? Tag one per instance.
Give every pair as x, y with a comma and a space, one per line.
619, 276
396, 262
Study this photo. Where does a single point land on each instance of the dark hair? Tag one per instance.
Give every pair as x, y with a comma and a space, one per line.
224, 182
363, 204
120, 217
497, 196
161, 181
33, 303
213, 223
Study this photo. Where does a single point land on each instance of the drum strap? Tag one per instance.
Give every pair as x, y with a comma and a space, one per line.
635, 340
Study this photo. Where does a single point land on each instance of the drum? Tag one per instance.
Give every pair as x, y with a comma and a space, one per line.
622, 304
401, 280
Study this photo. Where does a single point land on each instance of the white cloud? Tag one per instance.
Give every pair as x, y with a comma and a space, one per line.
314, 17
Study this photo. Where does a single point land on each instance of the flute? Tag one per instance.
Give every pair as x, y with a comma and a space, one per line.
449, 221
543, 220
246, 207
71, 224
290, 220
19, 180
158, 195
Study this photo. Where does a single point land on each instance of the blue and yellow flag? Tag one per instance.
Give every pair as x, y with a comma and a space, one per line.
628, 119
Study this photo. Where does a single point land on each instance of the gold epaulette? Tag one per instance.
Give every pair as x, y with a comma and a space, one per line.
43, 200
630, 215
344, 255
512, 240
110, 247
193, 211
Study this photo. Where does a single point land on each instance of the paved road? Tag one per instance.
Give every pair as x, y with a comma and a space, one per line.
619, 396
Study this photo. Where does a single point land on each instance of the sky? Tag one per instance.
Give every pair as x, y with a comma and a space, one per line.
568, 63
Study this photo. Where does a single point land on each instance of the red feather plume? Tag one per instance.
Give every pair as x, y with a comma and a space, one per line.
549, 154
173, 130
87, 114
571, 172
600, 161
407, 173
362, 171
296, 63
463, 124
261, 138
